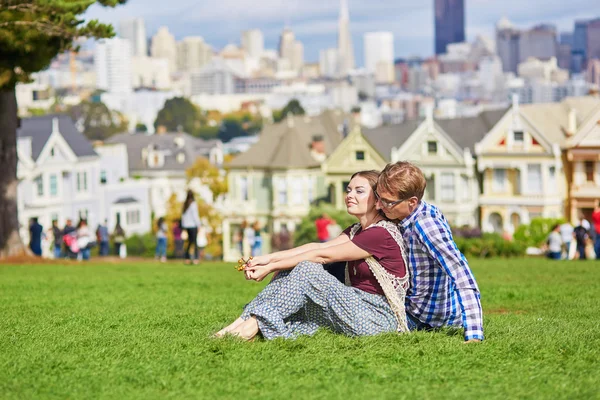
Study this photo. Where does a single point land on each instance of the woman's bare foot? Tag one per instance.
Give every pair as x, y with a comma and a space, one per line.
247, 330
229, 327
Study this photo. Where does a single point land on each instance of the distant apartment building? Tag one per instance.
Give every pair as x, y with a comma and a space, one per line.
253, 41
193, 53
164, 46
379, 55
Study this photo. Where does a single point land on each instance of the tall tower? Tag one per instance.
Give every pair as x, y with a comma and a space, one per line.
449, 23
345, 50
134, 30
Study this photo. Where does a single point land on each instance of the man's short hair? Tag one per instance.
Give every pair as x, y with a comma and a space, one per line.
404, 179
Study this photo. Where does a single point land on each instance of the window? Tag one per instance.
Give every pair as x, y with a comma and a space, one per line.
534, 178
243, 188
499, 180
447, 187
52, 152
430, 187
311, 192
589, 171
85, 181
39, 182
82, 181
53, 185
360, 155
132, 217
431, 147
297, 191
518, 137
282, 191
103, 177
83, 213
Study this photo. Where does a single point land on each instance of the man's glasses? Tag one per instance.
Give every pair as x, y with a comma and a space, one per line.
388, 204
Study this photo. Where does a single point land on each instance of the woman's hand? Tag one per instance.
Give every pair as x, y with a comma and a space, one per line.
257, 273
259, 260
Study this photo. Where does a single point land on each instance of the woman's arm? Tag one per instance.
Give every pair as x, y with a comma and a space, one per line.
284, 254
346, 251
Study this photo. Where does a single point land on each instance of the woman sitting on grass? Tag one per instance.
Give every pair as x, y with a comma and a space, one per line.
303, 297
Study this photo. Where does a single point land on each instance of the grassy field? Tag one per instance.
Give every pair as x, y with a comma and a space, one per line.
142, 330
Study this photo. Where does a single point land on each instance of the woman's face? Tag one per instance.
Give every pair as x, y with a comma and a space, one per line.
360, 198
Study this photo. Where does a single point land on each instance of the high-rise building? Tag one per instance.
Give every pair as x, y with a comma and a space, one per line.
112, 61
291, 51
578, 51
593, 40
253, 42
328, 60
134, 30
193, 53
164, 46
379, 55
345, 49
449, 23
507, 45
566, 38
538, 42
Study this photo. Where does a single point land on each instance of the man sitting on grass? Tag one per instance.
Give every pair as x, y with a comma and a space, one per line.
443, 291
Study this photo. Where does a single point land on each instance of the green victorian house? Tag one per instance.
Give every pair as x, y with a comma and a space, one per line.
295, 163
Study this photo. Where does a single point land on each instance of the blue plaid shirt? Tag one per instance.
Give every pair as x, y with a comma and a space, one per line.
443, 290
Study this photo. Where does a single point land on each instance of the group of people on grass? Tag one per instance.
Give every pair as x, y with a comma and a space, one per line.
402, 270
75, 242
581, 242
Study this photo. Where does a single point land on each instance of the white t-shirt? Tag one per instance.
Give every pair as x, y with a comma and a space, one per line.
555, 242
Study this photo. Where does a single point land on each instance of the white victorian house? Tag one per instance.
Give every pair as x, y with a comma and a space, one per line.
62, 177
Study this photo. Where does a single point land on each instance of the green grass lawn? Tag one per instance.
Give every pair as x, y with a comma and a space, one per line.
143, 331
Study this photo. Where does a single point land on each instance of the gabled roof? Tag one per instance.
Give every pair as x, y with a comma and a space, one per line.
287, 144
465, 132
552, 119
170, 144
39, 130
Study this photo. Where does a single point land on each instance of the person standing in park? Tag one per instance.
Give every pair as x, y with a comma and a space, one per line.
190, 221
177, 239
555, 243
161, 240
581, 237
119, 239
57, 235
35, 236
566, 234
443, 290
84, 239
103, 238
69, 231
321, 225
257, 244
596, 221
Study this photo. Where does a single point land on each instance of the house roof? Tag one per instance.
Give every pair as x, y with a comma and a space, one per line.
39, 130
287, 144
552, 119
170, 144
464, 131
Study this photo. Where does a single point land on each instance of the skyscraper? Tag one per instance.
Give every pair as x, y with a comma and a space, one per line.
112, 61
135, 31
253, 42
592, 50
507, 45
449, 23
345, 50
379, 55
164, 46
538, 42
193, 53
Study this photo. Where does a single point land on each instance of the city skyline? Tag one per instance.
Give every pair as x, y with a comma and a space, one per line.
315, 23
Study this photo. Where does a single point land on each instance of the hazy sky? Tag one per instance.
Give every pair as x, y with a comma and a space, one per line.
315, 21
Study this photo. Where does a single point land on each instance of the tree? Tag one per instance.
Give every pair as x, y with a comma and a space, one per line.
96, 120
179, 113
32, 33
229, 129
293, 106
139, 127
209, 175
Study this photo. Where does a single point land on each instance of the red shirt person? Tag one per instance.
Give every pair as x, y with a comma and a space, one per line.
596, 222
322, 223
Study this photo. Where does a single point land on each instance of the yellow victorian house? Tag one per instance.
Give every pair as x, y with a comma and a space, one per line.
520, 162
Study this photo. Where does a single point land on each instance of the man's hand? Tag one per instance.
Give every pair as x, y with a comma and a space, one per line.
257, 273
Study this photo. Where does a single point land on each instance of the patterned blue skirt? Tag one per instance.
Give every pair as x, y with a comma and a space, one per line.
300, 301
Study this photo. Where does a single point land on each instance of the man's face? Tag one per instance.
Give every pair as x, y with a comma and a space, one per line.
393, 207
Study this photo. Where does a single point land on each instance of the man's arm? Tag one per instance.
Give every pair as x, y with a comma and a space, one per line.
437, 239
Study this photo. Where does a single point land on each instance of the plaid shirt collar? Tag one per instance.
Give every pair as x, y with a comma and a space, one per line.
408, 221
